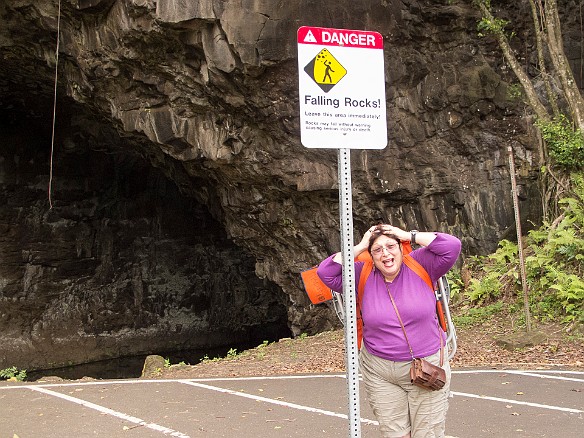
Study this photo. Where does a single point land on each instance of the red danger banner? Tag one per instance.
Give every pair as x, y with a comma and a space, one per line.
340, 37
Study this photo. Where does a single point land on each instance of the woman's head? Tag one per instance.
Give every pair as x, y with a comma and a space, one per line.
385, 249
377, 234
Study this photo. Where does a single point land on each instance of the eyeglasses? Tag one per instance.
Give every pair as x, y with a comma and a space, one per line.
389, 248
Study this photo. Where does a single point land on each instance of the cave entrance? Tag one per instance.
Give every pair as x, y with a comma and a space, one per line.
123, 264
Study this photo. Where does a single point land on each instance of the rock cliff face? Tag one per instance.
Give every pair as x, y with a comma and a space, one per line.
184, 205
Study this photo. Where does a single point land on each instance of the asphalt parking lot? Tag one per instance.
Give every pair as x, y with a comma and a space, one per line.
484, 403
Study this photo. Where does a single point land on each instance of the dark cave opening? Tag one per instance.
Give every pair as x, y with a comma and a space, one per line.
123, 264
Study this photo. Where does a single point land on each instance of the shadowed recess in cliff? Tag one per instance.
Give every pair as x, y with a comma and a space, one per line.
123, 264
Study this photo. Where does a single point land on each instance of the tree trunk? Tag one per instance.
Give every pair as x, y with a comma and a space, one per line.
526, 83
561, 65
540, 36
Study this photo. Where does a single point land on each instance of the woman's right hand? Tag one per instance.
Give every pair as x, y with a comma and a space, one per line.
364, 244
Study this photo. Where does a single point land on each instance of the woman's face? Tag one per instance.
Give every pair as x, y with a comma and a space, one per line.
387, 256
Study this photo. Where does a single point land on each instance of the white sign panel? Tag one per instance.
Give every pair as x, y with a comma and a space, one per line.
341, 88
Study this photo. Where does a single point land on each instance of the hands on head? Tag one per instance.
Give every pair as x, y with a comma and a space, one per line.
386, 229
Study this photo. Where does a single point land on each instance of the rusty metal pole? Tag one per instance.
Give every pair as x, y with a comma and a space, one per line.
519, 240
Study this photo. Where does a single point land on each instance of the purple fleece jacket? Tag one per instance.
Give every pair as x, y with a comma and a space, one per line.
382, 332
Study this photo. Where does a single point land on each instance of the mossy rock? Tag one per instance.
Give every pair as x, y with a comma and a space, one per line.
153, 366
520, 340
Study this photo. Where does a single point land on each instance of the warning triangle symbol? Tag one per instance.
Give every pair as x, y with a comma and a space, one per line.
309, 38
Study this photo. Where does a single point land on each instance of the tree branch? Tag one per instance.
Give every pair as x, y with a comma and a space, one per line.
521, 75
561, 64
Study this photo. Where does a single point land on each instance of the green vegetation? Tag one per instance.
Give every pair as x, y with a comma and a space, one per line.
168, 363
475, 315
261, 349
495, 25
554, 262
566, 145
13, 373
515, 92
206, 358
231, 354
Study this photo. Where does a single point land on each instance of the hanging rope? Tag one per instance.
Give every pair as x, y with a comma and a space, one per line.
54, 107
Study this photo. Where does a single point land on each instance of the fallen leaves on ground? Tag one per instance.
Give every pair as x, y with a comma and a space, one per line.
325, 353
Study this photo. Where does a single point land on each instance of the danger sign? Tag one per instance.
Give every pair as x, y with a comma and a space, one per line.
341, 88
325, 66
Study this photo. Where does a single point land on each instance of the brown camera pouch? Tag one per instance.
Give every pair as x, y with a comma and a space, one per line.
426, 375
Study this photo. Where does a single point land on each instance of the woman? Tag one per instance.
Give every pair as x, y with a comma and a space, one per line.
402, 409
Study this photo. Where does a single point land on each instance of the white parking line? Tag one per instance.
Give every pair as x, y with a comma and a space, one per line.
275, 402
103, 410
292, 405
542, 374
517, 402
142, 381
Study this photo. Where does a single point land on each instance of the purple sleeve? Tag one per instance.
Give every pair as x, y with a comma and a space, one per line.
331, 273
440, 256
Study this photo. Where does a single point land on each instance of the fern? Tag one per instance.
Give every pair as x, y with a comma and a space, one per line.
485, 290
566, 145
506, 252
570, 292
554, 266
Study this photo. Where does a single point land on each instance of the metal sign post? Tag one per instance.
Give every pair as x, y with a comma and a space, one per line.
351, 348
342, 106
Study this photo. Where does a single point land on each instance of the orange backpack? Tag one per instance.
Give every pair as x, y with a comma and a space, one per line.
318, 292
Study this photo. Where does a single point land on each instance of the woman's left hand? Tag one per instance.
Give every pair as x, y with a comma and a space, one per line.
398, 232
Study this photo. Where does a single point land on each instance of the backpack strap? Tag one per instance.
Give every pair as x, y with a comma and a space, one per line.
365, 272
423, 274
419, 270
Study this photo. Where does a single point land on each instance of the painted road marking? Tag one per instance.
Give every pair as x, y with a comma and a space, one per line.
517, 402
104, 410
275, 402
140, 381
363, 420
544, 374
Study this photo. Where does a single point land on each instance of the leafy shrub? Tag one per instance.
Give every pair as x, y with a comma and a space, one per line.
554, 266
475, 315
566, 145
497, 274
13, 373
495, 26
455, 284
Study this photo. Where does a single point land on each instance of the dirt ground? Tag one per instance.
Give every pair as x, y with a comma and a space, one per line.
324, 353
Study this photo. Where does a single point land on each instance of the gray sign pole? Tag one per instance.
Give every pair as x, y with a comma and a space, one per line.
358, 59
352, 351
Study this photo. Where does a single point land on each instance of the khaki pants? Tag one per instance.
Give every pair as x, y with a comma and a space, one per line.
399, 406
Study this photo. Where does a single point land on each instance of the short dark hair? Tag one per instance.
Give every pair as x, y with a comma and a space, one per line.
377, 234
